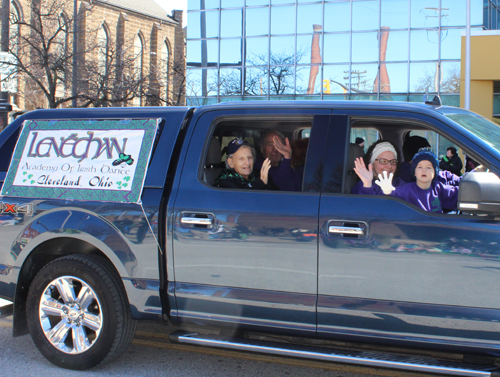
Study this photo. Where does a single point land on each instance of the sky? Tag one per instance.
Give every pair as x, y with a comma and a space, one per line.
169, 5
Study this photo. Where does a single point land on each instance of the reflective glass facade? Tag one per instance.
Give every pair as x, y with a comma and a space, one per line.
342, 49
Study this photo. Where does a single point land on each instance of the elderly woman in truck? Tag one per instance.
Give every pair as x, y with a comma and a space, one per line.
239, 168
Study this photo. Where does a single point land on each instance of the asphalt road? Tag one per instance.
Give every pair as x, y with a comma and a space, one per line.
151, 354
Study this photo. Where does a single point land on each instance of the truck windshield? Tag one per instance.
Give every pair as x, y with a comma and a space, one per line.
483, 128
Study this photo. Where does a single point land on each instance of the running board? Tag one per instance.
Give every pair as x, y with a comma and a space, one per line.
366, 358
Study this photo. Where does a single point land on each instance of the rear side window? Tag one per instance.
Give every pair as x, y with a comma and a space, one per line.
257, 132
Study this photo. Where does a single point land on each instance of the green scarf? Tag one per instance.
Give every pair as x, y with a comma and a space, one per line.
231, 174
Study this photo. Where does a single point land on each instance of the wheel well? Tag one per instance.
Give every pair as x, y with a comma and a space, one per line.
38, 258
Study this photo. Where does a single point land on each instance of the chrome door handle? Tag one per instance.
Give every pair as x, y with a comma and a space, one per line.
196, 221
346, 230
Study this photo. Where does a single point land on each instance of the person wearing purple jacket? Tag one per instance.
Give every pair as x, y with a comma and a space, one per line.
381, 156
425, 192
411, 146
282, 175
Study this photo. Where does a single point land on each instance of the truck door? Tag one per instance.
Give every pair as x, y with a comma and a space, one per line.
388, 269
248, 257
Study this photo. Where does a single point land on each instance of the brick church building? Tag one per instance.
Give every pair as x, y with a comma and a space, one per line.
113, 36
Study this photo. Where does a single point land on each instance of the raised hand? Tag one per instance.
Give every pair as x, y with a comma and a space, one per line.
264, 170
366, 175
284, 149
385, 182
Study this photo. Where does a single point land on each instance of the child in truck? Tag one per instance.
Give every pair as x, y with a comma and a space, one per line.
425, 191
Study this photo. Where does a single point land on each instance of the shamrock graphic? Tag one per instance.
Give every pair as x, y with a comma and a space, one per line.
121, 184
29, 177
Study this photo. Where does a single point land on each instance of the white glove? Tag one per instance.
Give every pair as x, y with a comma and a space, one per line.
385, 183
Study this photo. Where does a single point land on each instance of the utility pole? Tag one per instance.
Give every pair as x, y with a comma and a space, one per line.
467, 59
5, 106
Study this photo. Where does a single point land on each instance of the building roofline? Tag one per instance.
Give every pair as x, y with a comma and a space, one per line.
170, 19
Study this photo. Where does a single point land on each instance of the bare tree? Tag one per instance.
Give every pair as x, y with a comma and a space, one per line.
40, 46
108, 74
450, 81
253, 79
167, 76
113, 79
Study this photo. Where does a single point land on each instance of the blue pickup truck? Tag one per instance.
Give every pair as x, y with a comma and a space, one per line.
111, 215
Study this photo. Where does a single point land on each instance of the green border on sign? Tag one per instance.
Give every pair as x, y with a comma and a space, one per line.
132, 196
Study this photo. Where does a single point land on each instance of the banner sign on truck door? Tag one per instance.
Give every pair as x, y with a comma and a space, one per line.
97, 160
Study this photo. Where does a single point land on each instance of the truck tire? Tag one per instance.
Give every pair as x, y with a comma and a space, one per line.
78, 314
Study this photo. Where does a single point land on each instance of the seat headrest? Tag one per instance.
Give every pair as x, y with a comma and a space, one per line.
355, 151
214, 153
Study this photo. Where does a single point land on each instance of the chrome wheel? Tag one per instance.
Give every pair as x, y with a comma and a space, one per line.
70, 315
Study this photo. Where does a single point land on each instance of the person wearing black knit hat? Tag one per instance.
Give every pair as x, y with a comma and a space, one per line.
424, 154
361, 142
426, 191
239, 168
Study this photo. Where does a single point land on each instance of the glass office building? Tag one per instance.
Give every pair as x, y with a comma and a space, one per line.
344, 49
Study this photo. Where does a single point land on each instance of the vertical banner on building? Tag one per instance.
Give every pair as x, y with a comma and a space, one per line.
95, 160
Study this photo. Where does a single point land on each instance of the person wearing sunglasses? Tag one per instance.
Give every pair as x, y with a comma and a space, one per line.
380, 157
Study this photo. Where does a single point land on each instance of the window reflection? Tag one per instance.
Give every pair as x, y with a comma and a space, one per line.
336, 48
476, 13
423, 77
450, 77
231, 3
257, 21
308, 80
256, 2
230, 51
203, 24
365, 15
338, 78
281, 79
451, 43
453, 12
257, 50
283, 50
309, 49
364, 47
231, 23
363, 77
201, 82
283, 20
309, 18
196, 4
397, 46
398, 76
395, 13
424, 13
256, 81
230, 81
423, 44
297, 59
202, 53
338, 16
